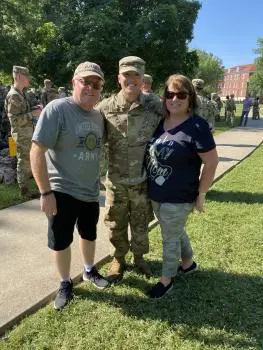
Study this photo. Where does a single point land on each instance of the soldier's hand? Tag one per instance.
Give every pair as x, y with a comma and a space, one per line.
48, 204
200, 202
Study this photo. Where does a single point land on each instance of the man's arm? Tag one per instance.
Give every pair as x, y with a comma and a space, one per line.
39, 170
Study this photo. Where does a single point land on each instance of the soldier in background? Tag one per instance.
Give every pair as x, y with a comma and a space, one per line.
131, 118
32, 98
18, 111
2, 100
219, 106
48, 93
214, 99
5, 123
230, 108
205, 108
255, 109
62, 92
147, 84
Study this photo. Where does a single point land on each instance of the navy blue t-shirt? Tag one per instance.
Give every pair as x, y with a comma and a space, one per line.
172, 161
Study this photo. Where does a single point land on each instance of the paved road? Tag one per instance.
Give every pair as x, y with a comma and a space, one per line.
28, 279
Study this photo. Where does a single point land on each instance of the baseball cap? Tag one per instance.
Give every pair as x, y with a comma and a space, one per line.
86, 69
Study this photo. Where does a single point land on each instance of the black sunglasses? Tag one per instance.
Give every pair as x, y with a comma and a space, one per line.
93, 85
169, 95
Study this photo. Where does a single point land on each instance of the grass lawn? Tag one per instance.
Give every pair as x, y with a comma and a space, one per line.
219, 307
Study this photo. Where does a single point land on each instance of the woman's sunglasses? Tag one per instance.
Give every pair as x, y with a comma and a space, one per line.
169, 95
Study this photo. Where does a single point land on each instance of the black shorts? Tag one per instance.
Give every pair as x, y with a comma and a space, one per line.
71, 211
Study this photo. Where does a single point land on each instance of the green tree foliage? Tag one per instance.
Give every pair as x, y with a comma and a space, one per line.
18, 20
210, 69
256, 81
52, 36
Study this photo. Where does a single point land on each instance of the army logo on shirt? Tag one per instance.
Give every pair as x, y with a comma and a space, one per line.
91, 141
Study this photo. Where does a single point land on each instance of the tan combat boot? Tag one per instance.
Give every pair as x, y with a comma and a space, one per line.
142, 265
115, 273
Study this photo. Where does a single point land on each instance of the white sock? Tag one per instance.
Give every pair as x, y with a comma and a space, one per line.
88, 267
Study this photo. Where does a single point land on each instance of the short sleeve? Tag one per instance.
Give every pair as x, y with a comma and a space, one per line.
203, 139
48, 127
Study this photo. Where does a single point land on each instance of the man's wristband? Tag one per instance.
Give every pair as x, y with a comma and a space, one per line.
44, 194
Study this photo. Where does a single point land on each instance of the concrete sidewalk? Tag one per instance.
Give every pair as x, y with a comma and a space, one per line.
28, 279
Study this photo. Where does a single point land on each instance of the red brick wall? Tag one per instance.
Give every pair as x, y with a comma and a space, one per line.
236, 81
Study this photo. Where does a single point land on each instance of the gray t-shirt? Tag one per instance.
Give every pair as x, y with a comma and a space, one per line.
73, 137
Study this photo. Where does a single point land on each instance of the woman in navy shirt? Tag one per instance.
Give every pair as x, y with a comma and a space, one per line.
174, 155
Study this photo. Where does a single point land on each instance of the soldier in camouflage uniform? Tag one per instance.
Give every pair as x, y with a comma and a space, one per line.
205, 108
48, 93
147, 84
219, 106
230, 110
214, 99
32, 98
2, 101
131, 118
18, 111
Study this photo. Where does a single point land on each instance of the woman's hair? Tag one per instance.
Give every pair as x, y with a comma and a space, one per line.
183, 84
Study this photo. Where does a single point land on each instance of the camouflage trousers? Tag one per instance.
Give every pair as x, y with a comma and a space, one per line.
176, 244
127, 205
230, 117
23, 143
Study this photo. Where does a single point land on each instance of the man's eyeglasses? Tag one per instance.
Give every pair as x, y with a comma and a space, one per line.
94, 85
169, 95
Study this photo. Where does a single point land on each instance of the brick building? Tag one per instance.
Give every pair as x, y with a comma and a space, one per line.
236, 81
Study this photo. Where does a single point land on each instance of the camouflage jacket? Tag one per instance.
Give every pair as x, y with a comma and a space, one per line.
48, 95
129, 126
230, 105
206, 109
17, 109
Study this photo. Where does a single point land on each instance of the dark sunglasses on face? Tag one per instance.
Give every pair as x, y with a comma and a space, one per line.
169, 95
92, 84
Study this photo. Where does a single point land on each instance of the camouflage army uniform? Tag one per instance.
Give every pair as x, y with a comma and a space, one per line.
230, 111
214, 98
48, 94
205, 108
18, 111
129, 126
31, 97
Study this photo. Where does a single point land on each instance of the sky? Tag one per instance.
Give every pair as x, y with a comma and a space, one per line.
229, 29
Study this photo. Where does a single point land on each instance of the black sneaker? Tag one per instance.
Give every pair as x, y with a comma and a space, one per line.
190, 269
159, 290
95, 277
64, 295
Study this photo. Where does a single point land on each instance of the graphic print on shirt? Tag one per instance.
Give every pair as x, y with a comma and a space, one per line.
160, 149
88, 140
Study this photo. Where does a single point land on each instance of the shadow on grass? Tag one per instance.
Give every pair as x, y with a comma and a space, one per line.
211, 299
235, 197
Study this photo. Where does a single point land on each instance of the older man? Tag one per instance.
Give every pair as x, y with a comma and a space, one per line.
131, 118
70, 132
21, 119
